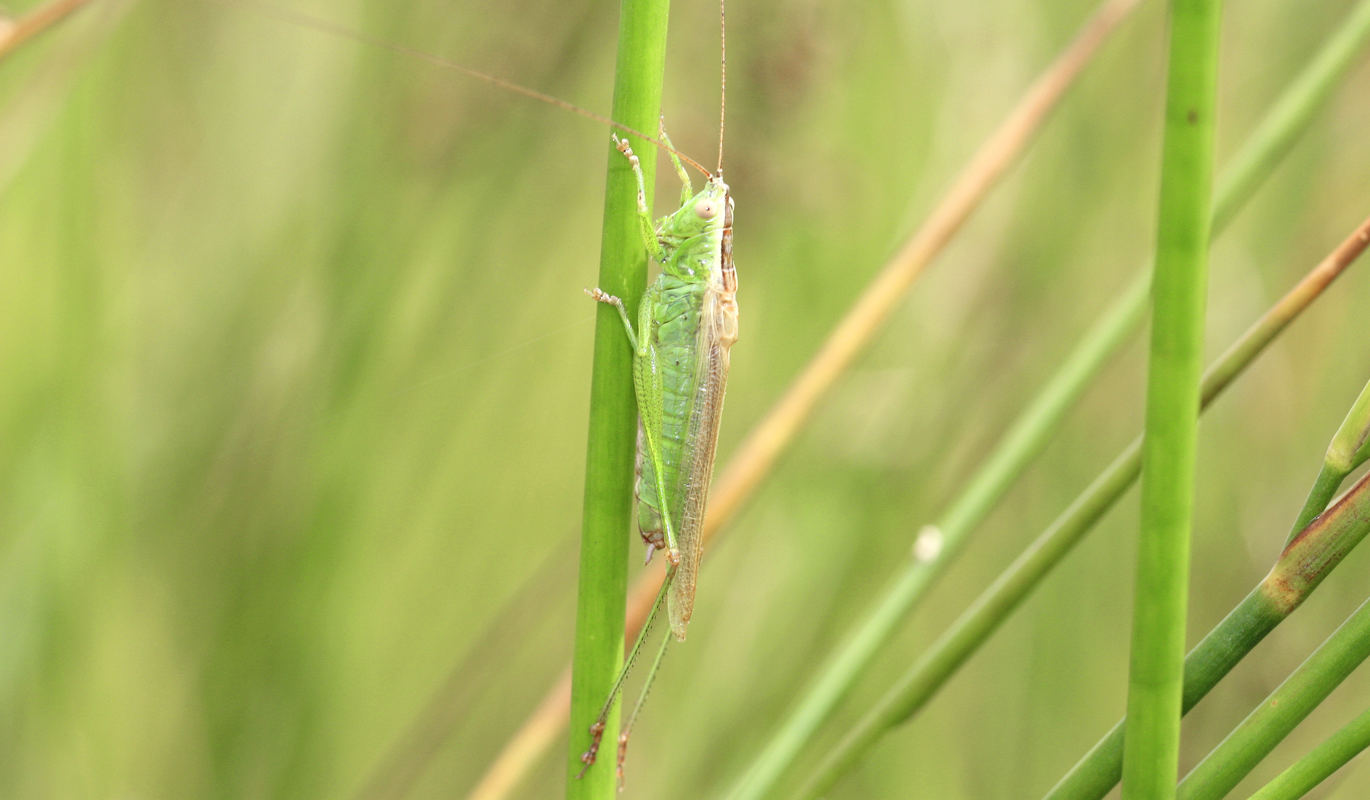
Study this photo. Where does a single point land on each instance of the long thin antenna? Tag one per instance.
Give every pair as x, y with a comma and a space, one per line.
722, 76
333, 28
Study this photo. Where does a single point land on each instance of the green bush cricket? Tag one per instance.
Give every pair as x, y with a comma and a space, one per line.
686, 327
687, 323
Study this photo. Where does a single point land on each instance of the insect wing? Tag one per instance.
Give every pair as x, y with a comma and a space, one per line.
717, 333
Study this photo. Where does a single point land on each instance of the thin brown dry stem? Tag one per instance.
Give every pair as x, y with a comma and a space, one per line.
757, 453
35, 22
1327, 271
530, 742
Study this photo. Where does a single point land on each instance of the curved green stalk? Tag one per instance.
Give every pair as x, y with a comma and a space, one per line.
1350, 445
612, 435
1324, 488
1225, 766
1349, 449
1305, 774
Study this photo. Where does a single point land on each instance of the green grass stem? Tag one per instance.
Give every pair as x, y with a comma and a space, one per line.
1324, 488
1349, 449
1305, 774
1024, 440
1179, 287
1351, 444
1270, 141
609, 459
974, 627
1252, 740
1302, 565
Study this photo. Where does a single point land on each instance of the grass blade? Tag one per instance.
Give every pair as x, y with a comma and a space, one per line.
769, 439
1287, 706
612, 436
1179, 286
991, 481
1301, 567
974, 627
1349, 449
1333, 754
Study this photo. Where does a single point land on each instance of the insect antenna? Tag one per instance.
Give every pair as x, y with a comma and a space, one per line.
722, 76
334, 29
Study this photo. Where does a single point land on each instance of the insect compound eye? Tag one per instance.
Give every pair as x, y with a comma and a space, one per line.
706, 209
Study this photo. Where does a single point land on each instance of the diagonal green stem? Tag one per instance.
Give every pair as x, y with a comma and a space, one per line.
1349, 449
1304, 563
1324, 488
1288, 117
1098, 771
993, 606
1351, 446
1287, 706
1305, 774
1019, 445
613, 415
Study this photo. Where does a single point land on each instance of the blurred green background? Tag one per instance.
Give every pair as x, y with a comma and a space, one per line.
295, 365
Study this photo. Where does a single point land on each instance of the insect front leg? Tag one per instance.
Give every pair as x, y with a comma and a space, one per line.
649, 240
687, 189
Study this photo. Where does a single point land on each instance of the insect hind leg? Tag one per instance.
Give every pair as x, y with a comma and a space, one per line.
637, 707
597, 729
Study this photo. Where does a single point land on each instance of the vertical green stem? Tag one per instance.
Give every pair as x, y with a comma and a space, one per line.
1272, 138
613, 412
1244, 627
1098, 771
1305, 562
1180, 280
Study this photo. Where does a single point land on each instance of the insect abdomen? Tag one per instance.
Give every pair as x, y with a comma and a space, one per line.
672, 336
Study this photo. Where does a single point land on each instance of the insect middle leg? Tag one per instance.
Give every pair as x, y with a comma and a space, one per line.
648, 405
602, 296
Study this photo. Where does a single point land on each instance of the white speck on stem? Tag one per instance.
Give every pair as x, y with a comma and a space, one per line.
928, 545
